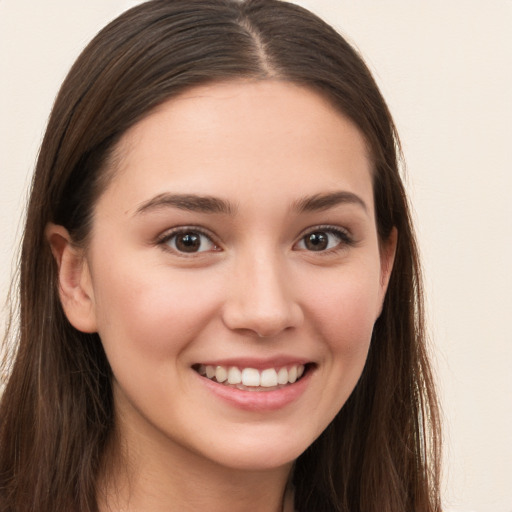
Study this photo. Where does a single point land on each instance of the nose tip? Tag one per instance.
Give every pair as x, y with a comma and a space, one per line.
273, 322
262, 304
264, 323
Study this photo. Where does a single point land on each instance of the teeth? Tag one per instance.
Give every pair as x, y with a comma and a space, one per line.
210, 372
234, 375
269, 378
251, 377
282, 376
221, 374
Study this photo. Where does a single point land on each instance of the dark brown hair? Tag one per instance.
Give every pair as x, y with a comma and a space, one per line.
381, 452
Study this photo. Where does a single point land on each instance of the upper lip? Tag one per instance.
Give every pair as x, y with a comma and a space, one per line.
256, 363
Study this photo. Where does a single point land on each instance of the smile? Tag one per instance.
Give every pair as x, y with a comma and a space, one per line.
252, 379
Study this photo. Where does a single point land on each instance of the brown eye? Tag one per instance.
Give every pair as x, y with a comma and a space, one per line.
190, 242
316, 241
324, 240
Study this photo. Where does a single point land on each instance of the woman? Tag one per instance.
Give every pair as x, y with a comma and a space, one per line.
220, 291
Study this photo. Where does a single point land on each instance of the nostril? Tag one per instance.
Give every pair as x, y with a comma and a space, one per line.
262, 324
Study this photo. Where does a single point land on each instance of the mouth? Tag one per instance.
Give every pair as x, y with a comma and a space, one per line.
253, 379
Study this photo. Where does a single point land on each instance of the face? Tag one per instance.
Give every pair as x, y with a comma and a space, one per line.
234, 273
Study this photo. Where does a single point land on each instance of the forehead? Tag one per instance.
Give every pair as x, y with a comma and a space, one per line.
240, 137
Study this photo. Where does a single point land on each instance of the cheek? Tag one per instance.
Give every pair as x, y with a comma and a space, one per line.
152, 311
345, 309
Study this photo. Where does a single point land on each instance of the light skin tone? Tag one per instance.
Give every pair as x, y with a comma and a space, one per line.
238, 230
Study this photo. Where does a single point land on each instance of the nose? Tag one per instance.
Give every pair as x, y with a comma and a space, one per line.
260, 298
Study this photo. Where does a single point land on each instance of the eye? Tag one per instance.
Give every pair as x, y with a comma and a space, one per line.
324, 239
189, 241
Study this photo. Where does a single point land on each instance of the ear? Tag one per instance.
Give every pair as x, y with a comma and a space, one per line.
387, 259
75, 284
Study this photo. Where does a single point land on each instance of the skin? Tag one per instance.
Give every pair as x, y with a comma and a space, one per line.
255, 290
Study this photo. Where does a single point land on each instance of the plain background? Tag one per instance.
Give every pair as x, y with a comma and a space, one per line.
445, 68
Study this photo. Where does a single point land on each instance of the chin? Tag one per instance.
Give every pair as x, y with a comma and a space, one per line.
253, 453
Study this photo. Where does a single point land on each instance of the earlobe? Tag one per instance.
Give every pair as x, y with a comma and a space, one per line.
74, 279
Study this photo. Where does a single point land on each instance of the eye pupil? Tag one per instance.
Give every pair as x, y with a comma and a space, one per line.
316, 241
188, 242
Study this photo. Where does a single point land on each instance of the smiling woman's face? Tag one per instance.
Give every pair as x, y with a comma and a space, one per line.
236, 240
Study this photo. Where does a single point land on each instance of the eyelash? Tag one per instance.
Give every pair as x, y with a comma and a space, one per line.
165, 239
345, 239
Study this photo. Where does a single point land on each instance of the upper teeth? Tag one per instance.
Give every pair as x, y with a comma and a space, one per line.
252, 377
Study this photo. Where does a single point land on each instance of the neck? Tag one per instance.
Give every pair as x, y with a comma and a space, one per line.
149, 478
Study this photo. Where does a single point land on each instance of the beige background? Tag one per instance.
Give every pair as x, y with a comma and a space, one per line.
445, 68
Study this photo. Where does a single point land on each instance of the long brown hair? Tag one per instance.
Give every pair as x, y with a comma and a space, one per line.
381, 452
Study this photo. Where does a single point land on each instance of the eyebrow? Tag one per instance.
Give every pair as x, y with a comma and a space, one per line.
210, 204
320, 202
189, 202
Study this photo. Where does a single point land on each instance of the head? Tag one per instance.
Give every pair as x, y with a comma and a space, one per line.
154, 54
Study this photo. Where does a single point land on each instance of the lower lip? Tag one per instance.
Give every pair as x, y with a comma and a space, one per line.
258, 400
